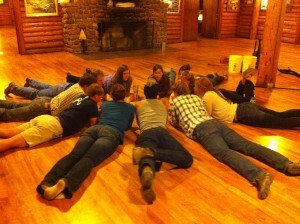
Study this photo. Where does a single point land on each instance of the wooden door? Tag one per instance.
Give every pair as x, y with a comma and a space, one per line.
190, 20
210, 18
11, 11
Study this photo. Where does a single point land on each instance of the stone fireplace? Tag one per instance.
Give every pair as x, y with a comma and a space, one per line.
126, 35
109, 28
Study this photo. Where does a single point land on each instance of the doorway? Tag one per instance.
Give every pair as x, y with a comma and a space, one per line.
8, 40
8, 36
210, 16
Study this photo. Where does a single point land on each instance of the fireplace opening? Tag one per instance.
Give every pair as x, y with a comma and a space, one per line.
125, 35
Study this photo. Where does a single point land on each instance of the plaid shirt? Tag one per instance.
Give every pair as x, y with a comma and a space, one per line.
187, 111
64, 99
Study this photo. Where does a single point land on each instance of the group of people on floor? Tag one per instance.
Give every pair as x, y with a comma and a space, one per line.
196, 105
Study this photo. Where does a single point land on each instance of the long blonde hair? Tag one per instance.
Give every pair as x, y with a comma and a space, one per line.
204, 84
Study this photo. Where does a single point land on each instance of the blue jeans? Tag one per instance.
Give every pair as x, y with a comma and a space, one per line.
22, 111
226, 145
95, 145
38, 89
233, 96
258, 116
165, 147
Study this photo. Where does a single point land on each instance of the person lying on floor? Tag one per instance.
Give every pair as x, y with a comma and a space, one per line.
215, 78
33, 88
24, 111
245, 113
46, 127
95, 145
164, 84
188, 112
155, 144
121, 76
244, 91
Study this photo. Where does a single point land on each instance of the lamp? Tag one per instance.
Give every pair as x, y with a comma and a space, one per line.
83, 38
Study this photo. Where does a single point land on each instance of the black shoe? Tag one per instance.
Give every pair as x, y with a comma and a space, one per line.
147, 178
71, 78
27, 83
88, 71
264, 182
8, 88
293, 169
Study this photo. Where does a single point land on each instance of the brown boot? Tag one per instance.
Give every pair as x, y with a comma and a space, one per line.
7, 91
147, 190
264, 182
293, 169
138, 153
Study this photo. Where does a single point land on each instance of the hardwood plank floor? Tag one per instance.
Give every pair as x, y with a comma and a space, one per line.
208, 192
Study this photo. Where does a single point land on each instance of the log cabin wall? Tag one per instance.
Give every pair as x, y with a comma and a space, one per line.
245, 19
174, 26
6, 14
291, 28
39, 34
228, 23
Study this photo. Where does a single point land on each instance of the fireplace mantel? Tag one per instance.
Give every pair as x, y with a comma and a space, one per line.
123, 9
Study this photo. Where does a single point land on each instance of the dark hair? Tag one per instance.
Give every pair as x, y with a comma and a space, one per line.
151, 89
156, 67
94, 89
87, 79
189, 76
97, 72
181, 88
118, 77
186, 67
118, 92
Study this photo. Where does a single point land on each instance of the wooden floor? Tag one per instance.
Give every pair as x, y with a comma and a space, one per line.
208, 192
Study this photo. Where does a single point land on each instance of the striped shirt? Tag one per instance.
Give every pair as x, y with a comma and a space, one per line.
63, 100
187, 111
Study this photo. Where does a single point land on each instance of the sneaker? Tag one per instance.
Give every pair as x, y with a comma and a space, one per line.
146, 179
51, 193
138, 153
293, 169
7, 91
263, 184
27, 83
